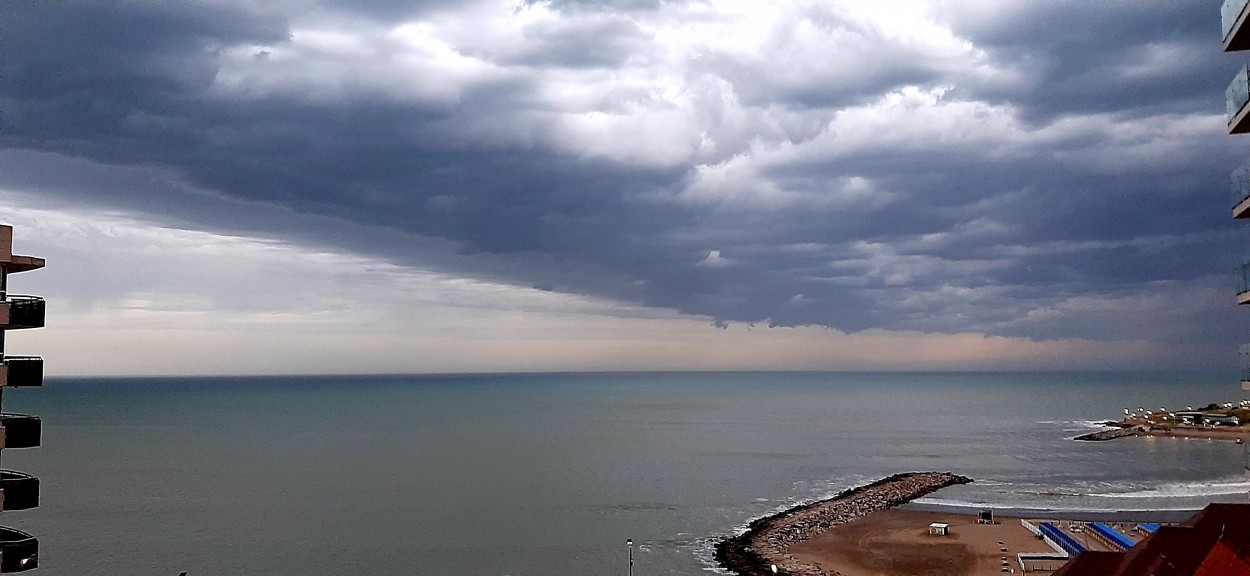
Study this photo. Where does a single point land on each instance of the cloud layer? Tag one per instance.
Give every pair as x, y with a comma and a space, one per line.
1038, 170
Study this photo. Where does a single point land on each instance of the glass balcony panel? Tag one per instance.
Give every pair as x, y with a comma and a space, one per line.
1229, 12
21, 491
26, 311
24, 371
1240, 181
21, 431
1237, 94
1244, 352
19, 551
1245, 279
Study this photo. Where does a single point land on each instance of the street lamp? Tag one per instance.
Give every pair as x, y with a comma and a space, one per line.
630, 543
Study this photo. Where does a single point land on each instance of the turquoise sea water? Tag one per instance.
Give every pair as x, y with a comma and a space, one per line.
549, 474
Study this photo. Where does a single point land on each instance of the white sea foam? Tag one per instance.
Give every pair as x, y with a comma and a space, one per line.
1051, 506
954, 503
1077, 425
1082, 423
1238, 485
1113, 496
705, 552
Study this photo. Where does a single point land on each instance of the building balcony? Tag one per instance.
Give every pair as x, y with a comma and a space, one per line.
21, 371
18, 491
20, 430
1240, 186
1243, 291
10, 262
23, 264
1235, 99
1233, 19
1244, 352
22, 312
19, 551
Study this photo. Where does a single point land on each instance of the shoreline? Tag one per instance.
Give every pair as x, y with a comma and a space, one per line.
1121, 430
1151, 515
768, 539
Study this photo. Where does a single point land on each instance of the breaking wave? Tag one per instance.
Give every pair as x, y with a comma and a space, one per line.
1239, 485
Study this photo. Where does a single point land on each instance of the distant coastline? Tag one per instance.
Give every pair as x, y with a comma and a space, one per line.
1125, 429
767, 539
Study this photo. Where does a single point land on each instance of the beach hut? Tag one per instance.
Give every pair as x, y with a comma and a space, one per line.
939, 529
985, 517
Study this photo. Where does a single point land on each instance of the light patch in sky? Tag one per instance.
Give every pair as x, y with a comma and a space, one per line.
147, 299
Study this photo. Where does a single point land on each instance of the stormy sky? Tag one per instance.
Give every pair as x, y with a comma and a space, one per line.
388, 186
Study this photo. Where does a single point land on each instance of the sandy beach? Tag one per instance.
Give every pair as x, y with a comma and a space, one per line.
898, 542
768, 540
863, 532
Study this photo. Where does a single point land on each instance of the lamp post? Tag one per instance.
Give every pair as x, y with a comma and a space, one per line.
630, 543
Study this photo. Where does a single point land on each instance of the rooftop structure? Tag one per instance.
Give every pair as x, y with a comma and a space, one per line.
1052, 534
19, 551
1113, 538
1214, 542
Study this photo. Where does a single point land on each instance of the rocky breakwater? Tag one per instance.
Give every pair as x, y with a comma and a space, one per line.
767, 540
1110, 434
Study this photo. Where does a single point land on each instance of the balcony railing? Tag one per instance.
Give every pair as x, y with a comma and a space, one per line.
1239, 181
23, 371
18, 550
1243, 290
1244, 352
21, 430
25, 311
1232, 19
1235, 99
21, 491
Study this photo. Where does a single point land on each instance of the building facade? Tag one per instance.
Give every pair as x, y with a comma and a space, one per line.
1233, 17
19, 551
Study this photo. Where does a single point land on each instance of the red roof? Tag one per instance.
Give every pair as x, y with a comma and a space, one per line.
1222, 561
1214, 542
1091, 564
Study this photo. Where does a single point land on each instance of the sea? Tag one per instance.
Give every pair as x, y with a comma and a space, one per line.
542, 474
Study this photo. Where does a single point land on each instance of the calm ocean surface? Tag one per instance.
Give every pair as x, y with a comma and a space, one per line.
549, 474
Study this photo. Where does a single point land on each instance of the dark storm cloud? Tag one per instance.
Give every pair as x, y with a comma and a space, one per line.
1053, 170
1135, 58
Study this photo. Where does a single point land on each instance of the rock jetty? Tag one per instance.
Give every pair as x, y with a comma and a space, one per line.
767, 540
1108, 434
